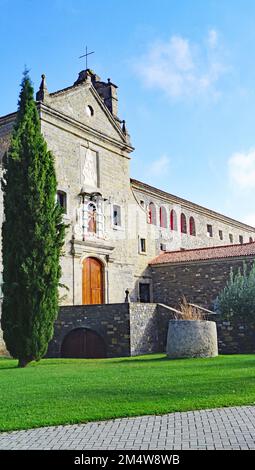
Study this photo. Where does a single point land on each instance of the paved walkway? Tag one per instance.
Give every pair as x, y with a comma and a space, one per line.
224, 428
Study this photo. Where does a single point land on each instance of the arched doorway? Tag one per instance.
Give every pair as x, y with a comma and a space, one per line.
83, 343
92, 282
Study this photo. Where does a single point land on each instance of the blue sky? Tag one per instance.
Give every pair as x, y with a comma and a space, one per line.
186, 76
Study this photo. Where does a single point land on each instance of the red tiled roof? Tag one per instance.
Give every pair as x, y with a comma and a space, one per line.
198, 254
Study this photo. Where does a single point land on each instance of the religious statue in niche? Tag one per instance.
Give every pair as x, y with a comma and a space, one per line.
89, 171
92, 215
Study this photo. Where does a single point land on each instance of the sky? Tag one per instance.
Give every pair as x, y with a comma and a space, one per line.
186, 76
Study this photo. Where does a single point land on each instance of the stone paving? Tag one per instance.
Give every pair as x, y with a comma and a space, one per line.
222, 428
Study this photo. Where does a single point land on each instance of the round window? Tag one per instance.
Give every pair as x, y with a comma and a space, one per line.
89, 110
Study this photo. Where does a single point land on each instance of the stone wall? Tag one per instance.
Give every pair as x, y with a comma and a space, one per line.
236, 337
110, 321
200, 282
128, 329
143, 328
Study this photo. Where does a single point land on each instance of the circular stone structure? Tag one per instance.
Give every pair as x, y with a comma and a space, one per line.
191, 338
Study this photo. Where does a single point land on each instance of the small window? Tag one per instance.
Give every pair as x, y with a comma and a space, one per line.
142, 245
162, 217
89, 110
231, 238
250, 240
240, 239
116, 216
220, 235
183, 223
173, 220
209, 230
142, 203
162, 246
192, 227
61, 199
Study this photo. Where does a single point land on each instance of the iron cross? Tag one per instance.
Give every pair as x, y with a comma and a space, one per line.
86, 55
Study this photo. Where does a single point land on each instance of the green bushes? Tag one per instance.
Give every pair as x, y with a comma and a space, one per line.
237, 299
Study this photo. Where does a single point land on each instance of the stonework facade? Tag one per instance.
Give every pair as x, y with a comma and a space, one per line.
120, 222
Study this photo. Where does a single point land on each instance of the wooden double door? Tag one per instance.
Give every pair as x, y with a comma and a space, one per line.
92, 282
83, 343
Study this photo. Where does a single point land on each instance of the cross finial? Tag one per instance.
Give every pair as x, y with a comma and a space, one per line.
86, 55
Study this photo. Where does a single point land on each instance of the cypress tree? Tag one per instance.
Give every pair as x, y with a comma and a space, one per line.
32, 236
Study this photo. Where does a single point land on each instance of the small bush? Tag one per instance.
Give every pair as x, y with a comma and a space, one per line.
237, 299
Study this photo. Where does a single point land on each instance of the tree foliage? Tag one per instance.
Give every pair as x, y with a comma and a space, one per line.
237, 299
32, 235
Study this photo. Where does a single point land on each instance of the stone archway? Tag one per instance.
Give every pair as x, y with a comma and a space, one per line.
83, 343
92, 281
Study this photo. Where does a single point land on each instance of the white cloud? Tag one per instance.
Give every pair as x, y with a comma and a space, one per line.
158, 168
241, 168
213, 38
180, 68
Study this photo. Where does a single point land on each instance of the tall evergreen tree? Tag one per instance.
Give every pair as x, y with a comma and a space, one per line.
32, 236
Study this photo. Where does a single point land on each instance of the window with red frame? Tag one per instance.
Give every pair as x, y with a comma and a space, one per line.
192, 227
152, 214
173, 220
183, 223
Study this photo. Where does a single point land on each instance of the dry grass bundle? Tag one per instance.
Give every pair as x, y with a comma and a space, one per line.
188, 312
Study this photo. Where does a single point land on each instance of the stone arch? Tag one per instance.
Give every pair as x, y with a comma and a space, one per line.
83, 343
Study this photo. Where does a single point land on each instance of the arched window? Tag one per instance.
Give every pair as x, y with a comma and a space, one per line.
183, 223
162, 217
192, 226
92, 218
173, 220
250, 240
152, 214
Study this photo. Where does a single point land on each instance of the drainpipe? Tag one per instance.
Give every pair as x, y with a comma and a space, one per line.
107, 278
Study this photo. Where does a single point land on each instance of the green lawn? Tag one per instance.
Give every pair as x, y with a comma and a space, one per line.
59, 391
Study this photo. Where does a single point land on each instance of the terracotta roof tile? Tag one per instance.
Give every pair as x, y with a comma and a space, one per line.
197, 254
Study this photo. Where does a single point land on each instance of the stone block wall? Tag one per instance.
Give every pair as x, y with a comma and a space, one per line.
110, 321
200, 282
143, 329
128, 329
236, 337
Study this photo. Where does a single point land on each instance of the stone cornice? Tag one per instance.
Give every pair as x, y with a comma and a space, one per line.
170, 198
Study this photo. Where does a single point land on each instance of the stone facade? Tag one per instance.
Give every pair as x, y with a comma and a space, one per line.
92, 150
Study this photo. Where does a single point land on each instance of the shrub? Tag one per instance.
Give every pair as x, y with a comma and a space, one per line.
237, 299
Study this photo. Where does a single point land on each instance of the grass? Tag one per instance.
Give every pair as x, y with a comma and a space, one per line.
61, 391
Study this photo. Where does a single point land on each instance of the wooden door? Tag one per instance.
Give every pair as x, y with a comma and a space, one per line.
83, 343
92, 282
